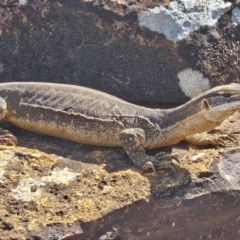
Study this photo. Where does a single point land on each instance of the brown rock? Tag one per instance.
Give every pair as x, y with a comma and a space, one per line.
103, 195
39, 196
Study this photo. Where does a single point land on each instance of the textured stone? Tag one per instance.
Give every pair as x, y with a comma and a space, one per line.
66, 190
183, 17
38, 194
100, 44
209, 216
71, 191
236, 15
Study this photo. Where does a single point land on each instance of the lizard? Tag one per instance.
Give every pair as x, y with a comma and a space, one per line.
92, 117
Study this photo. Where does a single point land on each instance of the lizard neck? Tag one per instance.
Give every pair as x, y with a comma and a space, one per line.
188, 119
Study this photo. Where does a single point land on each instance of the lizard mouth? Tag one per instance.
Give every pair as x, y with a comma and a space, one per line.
225, 97
226, 101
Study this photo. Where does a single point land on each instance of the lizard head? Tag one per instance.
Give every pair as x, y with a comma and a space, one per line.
222, 98
202, 113
219, 103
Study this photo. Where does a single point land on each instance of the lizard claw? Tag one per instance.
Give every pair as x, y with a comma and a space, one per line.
7, 138
163, 156
149, 165
231, 138
176, 159
219, 141
158, 163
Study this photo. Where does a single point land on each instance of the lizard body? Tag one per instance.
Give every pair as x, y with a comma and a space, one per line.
92, 117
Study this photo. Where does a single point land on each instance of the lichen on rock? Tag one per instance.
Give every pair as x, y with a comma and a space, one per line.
181, 18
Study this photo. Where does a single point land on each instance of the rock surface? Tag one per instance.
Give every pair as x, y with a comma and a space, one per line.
69, 191
209, 216
40, 194
106, 45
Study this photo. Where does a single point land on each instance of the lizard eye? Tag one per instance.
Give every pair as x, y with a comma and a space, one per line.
225, 94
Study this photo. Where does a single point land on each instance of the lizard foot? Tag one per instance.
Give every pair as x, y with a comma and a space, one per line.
217, 140
161, 161
7, 138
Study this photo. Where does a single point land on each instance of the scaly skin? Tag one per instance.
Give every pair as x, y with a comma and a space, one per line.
95, 118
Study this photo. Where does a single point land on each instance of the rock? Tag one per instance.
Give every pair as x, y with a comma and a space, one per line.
39, 194
209, 216
110, 45
66, 190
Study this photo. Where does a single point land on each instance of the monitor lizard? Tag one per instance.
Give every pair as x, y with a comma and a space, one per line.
93, 117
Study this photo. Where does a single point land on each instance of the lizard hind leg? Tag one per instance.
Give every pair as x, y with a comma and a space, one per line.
133, 142
7, 138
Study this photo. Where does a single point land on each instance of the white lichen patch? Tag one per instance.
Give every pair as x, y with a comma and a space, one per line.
4, 160
192, 82
197, 157
2, 171
22, 2
24, 191
30, 189
59, 176
182, 17
236, 16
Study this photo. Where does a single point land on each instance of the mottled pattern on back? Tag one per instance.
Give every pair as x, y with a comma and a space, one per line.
71, 98
77, 113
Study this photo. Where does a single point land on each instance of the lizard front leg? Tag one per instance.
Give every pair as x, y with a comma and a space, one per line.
6, 137
133, 142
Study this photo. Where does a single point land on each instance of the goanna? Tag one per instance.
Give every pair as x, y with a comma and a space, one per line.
95, 118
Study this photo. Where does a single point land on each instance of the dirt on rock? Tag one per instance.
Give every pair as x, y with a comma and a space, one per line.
63, 187
37, 193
